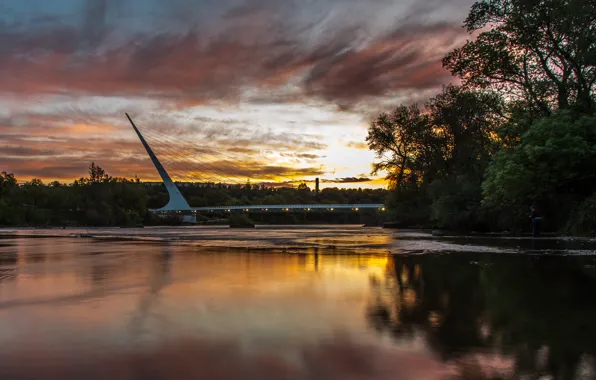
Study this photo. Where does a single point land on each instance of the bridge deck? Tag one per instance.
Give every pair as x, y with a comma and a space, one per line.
329, 207
288, 207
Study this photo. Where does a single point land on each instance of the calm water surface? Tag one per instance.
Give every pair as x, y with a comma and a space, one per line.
294, 303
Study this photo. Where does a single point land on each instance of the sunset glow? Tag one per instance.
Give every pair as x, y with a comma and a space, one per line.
284, 91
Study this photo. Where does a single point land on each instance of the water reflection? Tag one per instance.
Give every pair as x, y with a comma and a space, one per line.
158, 279
536, 312
143, 310
160, 310
8, 259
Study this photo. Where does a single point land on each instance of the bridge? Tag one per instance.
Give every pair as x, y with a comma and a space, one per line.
308, 207
178, 204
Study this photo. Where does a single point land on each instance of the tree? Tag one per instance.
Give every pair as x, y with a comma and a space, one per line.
552, 165
467, 121
34, 182
97, 174
432, 154
404, 143
7, 182
8, 207
540, 51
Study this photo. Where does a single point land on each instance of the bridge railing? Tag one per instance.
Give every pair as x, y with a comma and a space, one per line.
288, 207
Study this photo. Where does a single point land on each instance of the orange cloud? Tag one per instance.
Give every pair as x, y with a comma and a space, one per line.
357, 145
54, 147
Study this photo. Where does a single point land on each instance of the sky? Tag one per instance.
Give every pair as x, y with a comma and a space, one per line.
271, 90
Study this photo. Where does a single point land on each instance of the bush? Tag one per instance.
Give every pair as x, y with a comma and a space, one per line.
240, 220
582, 220
456, 204
553, 165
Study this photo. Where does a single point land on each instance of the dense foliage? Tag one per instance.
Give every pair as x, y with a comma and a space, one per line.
517, 131
553, 165
100, 200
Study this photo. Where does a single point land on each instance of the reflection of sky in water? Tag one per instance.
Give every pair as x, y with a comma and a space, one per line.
108, 303
78, 297
75, 282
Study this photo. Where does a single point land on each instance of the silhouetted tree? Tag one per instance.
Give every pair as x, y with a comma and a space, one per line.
541, 52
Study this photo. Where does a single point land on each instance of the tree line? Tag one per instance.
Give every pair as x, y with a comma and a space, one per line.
96, 200
518, 130
102, 200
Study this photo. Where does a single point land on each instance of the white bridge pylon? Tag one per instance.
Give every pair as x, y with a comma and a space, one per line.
177, 203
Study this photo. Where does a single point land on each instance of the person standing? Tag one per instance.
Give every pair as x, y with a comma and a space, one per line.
536, 220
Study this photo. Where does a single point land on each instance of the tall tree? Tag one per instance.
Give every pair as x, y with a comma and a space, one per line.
539, 51
454, 132
468, 121
437, 156
404, 143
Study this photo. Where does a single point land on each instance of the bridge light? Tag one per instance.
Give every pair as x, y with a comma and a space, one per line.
309, 209
356, 209
331, 209
382, 208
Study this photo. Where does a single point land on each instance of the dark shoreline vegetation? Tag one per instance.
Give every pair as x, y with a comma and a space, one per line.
101, 200
519, 130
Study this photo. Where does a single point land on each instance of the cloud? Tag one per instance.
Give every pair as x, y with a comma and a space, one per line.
357, 145
20, 151
51, 164
405, 59
234, 135
68, 77
57, 144
348, 180
199, 65
236, 171
302, 156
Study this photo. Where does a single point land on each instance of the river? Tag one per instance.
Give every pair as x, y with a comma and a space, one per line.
315, 302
